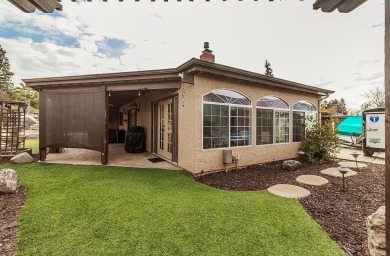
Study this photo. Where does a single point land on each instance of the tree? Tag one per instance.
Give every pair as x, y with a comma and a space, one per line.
354, 112
5, 72
338, 106
320, 143
268, 69
26, 94
375, 98
7, 89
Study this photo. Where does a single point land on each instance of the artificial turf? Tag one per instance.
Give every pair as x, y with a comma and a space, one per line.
101, 210
33, 144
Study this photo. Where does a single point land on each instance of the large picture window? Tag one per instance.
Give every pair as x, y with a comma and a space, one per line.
304, 116
272, 121
227, 119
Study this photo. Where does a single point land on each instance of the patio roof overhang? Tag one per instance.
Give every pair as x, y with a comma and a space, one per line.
122, 87
156, 79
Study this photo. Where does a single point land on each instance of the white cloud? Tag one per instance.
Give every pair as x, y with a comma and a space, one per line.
302, 45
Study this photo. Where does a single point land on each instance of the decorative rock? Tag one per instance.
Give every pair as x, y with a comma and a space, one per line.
352, 164
9, 181
291, 165
312, 180
334, 171
375, 224
22, 158
288, 191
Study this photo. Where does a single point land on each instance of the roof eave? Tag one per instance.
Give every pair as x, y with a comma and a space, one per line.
199, 66
101, 79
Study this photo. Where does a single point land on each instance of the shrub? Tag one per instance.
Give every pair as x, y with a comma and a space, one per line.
320, 142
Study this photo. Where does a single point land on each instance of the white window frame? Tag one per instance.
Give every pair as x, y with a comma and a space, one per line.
273, 120
306, 113
229, 105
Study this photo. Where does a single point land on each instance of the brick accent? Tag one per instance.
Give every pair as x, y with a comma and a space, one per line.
207, 55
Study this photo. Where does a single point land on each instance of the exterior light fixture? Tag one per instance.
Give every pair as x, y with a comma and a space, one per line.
343, 170
139, 92
109, 93
355, 155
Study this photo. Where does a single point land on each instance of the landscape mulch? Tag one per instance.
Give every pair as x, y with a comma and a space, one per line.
341, 214
10, 207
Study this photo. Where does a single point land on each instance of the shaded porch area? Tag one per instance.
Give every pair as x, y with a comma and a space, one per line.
117, 157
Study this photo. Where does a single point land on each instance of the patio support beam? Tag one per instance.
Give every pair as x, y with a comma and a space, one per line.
350, 6
23, 5
104, 154
29, 6
42, 154
344, 6
145, 86
47, 6
387, 123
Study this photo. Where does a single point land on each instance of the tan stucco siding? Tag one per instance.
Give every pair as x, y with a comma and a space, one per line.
186, 132
144, 116
191, 155
211, 159
188, 127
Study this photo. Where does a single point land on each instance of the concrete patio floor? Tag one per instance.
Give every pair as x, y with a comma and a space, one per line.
376, 158
117, 157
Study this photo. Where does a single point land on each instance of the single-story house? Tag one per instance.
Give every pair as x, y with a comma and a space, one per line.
191, 114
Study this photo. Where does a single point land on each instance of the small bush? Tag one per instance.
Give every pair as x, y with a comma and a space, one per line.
320, 142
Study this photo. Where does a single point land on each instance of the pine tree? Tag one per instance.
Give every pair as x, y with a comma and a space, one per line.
268, 69
338, 106
343, 107
5, 72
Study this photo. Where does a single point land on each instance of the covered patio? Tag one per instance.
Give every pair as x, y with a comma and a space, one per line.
118, 157
82, 112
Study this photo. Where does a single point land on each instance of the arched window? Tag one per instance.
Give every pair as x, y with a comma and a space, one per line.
272, 121
304, 115
226, 119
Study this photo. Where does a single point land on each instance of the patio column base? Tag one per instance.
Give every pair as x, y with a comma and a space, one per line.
42, 154
104, 159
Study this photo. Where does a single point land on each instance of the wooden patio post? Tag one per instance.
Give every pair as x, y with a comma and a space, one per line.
387, 126
104, 154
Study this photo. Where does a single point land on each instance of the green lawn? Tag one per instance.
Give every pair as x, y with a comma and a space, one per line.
97, 210
34, 144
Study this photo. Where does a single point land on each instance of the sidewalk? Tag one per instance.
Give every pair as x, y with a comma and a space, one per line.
376, 158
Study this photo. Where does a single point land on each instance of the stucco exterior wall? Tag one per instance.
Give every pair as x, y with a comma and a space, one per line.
144, 116
191, 155
188, 127
211, 159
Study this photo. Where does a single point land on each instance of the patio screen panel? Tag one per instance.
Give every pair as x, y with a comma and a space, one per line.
73, 119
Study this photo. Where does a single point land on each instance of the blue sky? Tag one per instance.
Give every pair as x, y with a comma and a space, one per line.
341, 52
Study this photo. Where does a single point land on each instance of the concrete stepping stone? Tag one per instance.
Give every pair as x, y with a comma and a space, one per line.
314, 180
288, 191
334, 171
352, 164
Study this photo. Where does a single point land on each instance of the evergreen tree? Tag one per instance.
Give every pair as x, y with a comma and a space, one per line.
343, 107
268, 69
10, 92
338, 106
26, 94
5, 72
